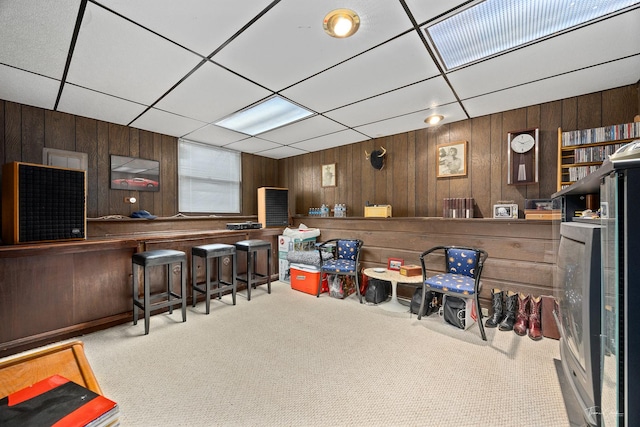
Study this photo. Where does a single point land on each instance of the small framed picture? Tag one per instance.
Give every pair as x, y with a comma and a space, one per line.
329, 175
452, 159
395, 264
505, 211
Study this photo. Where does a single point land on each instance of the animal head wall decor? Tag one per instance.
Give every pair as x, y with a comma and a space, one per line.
376, 157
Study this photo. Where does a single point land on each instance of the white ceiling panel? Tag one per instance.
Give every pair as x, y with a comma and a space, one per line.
36, 35
252, 145
142, 63
117, 57
203, 31
215, 135
28, 88
421, 96
365, 76
305, 129
211, 93
277, 52
593, 79
572, 51
169, 124
89, 103
330, 141
414, 121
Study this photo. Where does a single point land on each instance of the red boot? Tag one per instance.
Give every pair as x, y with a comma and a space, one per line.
535, 330
522, 317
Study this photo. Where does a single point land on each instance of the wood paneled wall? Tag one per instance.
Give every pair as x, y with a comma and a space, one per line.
408, 181
26, 130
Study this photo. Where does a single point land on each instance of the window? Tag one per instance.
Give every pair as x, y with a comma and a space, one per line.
209, 178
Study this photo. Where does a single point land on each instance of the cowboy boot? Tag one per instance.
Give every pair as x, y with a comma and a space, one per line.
496, 303
535, 330
510, 302
522, 317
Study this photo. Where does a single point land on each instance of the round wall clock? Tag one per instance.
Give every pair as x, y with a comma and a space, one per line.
522, 156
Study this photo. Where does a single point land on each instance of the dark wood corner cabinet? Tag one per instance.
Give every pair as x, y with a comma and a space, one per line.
581, 152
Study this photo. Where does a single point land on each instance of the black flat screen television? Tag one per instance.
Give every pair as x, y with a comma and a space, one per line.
579, 299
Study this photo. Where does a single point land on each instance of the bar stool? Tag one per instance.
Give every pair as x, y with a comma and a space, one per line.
251, 247
155, 258
210, 252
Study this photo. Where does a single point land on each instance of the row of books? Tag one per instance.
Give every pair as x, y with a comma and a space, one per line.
601, 134
458, 207
594, 154
56, 401
579, 172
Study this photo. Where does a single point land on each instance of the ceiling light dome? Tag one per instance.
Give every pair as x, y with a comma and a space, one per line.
341, 23
434, 120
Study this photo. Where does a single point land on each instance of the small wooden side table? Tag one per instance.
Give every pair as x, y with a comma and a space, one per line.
394, 277
67, 360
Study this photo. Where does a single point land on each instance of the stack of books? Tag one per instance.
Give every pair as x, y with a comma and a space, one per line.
56, 401
458, 207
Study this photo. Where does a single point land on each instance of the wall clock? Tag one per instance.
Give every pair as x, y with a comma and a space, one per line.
523, 153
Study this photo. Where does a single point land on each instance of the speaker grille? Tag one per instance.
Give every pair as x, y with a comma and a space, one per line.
48, 204
273, 207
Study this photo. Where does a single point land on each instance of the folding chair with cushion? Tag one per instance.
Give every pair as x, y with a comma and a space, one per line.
463, 267
346, 261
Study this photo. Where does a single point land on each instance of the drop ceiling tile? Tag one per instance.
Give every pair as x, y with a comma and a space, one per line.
169, 124
330, 141
36, 35
400, 62
215, 135
426, 10
199, 25
305, 129
96, 105
593, 79
252, 145
28, 88
574, 50
211, 93
282, 152
119, 58
413, 121
428, 94
288, 43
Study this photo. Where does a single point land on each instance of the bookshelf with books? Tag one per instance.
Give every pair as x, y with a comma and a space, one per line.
581, 152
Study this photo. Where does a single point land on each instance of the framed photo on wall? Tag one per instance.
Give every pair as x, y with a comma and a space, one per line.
329, 175
132, 173
452, 159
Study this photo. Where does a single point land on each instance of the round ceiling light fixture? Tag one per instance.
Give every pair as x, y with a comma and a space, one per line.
341, 23
433, 120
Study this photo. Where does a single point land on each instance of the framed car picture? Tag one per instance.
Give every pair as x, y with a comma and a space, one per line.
131, 173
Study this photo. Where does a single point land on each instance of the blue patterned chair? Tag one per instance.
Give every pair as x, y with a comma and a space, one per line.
463, 267
346, 260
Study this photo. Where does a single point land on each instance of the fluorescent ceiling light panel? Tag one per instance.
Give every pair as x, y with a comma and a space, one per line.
494, 26
264, 116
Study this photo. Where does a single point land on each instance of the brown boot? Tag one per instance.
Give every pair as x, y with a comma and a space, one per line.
522, 316
535, 330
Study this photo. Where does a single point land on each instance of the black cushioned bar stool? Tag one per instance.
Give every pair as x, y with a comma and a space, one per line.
210, 252
160, 257
251, 247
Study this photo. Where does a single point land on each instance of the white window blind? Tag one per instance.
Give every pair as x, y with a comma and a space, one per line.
209, 178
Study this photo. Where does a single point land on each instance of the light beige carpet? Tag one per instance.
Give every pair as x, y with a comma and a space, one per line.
291, 359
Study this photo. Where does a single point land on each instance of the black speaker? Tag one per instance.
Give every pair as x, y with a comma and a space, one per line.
273, 207
42, 203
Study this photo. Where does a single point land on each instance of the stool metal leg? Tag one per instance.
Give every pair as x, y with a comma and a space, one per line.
207, 263
169, 287
183, 289
147, 297
249, 273
135, 293
268, 271
233, 278
194, 279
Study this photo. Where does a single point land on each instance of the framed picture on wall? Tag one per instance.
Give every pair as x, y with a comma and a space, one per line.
452, 159
329, 175
131, 173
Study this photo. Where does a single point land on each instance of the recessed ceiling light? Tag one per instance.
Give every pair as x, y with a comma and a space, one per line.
341, 23
433, 120
272, 113
493, 26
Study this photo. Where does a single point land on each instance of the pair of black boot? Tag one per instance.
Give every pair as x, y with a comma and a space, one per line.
503, 317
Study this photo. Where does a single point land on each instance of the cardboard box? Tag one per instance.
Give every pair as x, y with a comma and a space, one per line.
304, 278
410, 270
378, 211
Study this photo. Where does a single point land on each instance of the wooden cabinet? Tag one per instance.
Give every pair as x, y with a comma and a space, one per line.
581, 152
